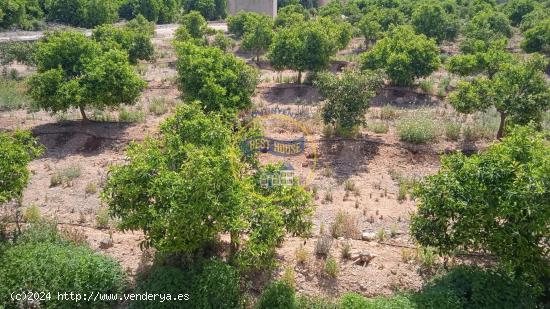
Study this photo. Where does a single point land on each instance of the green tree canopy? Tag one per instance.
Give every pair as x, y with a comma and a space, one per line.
220, 81
403, 55
496, 201
308, 46
481, 57
488, 25
74, 72
18, 149
210, 9
347, 97
20, 13
430, 18
516, 9
133, 39
258, 33
82, 13
537, 39
519, 91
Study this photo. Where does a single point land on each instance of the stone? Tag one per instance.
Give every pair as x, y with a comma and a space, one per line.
364, 258
368, 236
106, 243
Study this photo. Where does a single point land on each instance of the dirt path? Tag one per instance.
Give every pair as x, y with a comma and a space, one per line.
164, 31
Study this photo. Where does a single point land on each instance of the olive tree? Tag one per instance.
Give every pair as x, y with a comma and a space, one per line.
220, 81
519, 91
347, 98
74, 72
495, 201
403, 55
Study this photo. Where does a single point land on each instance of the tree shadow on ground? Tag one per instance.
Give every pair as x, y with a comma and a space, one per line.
345, 157
87, 138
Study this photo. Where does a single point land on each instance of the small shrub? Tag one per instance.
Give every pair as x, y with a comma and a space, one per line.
388, 112
427, 85
344, 225
31, 214
331, 267
417, 129
126, 115
393, 231
217, 286
381, 235
352, 300
289, 276
12, 95
278, 295
322, 246
427, 256
349, 185
378, 127
158, 106
346, 251
91, 188
65, 175
328, 196
302, 255
408, 255
452, 130
102, 218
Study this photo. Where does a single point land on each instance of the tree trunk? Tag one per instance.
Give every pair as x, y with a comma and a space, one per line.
502, 125
258, 58
83, 113
234, 245
299, 81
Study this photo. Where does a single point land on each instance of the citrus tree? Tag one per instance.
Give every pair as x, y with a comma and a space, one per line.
132, 38
519, 91
496, 201
431, 19
73, 71
347, 97
220, 81
307, 46
403, 55
258, 33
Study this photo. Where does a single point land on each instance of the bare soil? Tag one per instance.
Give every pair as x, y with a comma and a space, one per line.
367, 159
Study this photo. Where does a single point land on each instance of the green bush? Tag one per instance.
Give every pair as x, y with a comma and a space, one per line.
42, 262
213, 284
164, 279
24, 14
353, 301
12, 95
417, 129
278, 295
473, 287
82, 13
217, 286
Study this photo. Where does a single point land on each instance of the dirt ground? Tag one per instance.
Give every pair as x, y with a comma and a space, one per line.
368, 160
